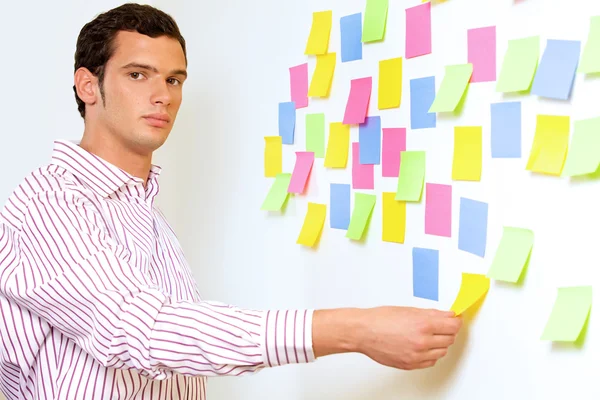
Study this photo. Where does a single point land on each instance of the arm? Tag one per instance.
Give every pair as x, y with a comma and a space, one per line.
63, 266
405, 338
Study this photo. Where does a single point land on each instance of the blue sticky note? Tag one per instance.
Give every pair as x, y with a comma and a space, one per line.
506, 129
339, 197
422, 94
369, 139
287, 122
351, 35
472, 226
425, 273
556, 72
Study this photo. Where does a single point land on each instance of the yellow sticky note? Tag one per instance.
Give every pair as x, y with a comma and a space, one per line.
318, 40
313, 224
320, 84
337, 146
472, 288
466, 165
394, 218
390, 83
272, 156
550, 144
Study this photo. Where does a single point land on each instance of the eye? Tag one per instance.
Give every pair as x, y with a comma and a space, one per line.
174, 81
135, 75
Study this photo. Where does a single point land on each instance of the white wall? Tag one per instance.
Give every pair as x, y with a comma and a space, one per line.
240, 53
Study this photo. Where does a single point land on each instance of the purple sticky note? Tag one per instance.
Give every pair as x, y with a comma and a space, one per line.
304, 163
358, 101
299, 85
394, 142
363, 176
438, 210
418, 30
482, 53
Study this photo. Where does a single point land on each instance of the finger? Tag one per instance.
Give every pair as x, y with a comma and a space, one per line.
442, 341
424, 364
435, 354
446, 326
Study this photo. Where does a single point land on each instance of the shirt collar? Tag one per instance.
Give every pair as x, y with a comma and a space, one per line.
100, 175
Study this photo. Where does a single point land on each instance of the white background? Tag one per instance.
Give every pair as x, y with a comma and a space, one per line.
213, 185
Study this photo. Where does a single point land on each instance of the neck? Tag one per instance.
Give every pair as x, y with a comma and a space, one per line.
117, 153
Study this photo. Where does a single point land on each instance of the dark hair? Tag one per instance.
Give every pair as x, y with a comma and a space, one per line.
95, 44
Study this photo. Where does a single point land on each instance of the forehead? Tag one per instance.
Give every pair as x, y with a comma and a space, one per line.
162, 50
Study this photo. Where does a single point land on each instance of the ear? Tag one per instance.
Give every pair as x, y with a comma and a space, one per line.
86, 85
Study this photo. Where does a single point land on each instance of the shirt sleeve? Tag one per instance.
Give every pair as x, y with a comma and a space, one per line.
65, 267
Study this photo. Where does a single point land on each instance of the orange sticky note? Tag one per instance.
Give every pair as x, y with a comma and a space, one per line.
273, 157
313, 224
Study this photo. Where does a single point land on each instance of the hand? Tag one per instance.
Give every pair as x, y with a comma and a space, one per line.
406, 338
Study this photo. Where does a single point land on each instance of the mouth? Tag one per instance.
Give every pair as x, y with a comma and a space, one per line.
157, 120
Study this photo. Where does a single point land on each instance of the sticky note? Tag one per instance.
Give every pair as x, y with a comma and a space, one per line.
512, 254
452, 88
472, 288
519, 65
313, 225
569, 314
320, 85
584, 155
556, 72
339, 198
315, 134
393, 218
482, 53
411, 176
466, 165
369, 137
358, 101
337, 146
426, 273
287, 122
299, 85
390, 83
375, 20
394, 142
549, 144
422, 94
351, 37
506, 129
418, 30
272, 155
472, 226
438, 209
361, 215
304, 163
590, 59
278, 193
363, 175
318, 40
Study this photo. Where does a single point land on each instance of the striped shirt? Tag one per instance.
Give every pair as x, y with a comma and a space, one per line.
98, 301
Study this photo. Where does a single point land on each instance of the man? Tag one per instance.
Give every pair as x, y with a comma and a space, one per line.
96, 296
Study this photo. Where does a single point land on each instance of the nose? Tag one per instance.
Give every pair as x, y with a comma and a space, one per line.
161, 94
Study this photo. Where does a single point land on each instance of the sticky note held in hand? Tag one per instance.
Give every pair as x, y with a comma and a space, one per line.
473, 288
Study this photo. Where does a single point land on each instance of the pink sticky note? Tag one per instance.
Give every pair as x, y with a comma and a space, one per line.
358, 101
418, 30
482, 53
438, 209
363, 176
304, 163
299, 85
394, 141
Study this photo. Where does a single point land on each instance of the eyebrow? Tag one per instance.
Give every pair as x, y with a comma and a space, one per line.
154, 69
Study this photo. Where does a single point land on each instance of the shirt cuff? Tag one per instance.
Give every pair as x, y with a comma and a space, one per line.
287, 337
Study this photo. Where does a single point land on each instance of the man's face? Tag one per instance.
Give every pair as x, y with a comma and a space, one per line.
143, 90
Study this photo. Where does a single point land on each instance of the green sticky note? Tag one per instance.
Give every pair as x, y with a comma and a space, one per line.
411, 176
315, 134
452, 88
375, 20
363, 207
569, 314
584, 151
511, 255
278, 193
520, 64
590, 58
